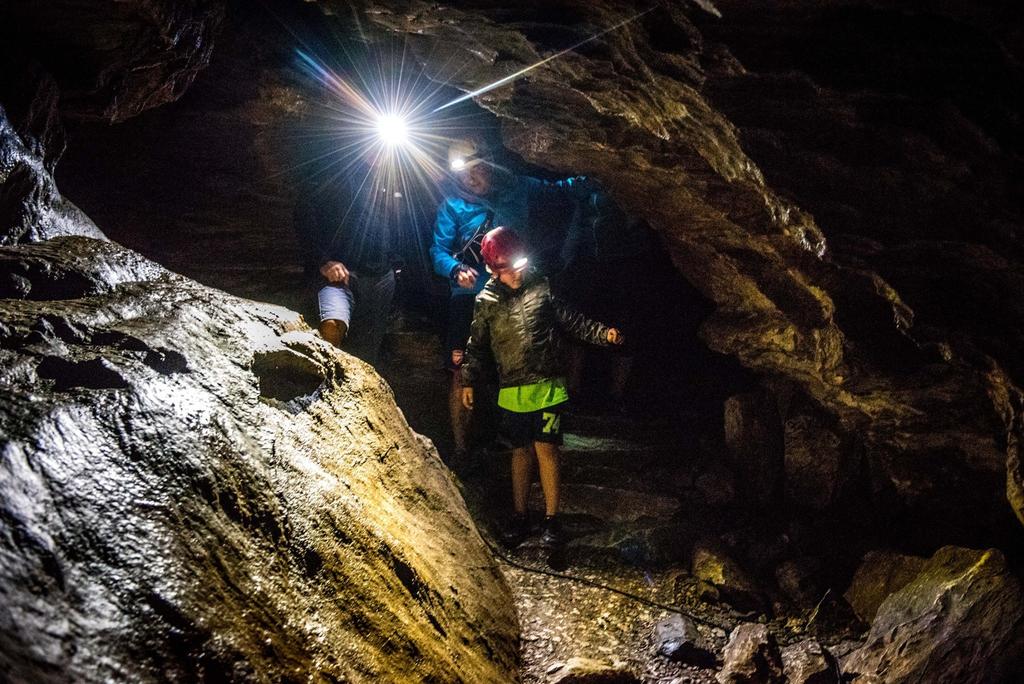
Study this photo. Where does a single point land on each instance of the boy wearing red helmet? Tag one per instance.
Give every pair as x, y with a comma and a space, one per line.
517, 331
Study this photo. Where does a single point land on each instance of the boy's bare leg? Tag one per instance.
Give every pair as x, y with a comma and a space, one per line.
459, 414
550, 479
522, 476
333, 331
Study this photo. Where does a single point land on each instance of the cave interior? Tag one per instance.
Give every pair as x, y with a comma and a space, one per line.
825, 397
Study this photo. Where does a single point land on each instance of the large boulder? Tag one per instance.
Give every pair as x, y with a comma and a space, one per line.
961, 619
194, 487
880, 574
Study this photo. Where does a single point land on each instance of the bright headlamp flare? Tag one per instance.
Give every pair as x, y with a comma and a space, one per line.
519, 264
392, 130
458, 164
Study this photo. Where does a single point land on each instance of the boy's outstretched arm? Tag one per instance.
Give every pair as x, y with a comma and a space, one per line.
585, 329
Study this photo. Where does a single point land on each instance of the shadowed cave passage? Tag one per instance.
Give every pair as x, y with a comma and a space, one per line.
818, 456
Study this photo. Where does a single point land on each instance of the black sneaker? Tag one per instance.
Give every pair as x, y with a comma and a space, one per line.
553, 535
515, 531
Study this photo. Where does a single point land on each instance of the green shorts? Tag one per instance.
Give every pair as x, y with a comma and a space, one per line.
543, 425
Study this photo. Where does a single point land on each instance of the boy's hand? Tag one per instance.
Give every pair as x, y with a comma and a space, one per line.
467, 397
615, 336
466, 276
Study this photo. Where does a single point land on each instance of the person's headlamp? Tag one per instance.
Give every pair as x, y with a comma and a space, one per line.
464, 162
392, 130
514, 266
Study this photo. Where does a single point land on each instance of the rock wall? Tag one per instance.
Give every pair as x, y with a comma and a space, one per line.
115, 59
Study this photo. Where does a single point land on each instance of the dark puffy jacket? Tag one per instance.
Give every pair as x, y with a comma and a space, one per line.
520, 333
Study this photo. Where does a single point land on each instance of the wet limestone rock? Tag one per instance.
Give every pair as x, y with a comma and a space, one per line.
960, 619
194, 487
590, 671
723, 577
677, 638
31, 208
751, 657
806, 662
881, 573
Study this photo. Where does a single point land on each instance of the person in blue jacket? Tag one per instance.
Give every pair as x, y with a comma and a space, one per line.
484, 195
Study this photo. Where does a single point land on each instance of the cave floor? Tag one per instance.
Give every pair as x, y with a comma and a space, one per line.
623, 527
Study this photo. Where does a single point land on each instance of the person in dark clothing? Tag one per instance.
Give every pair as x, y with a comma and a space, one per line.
348, 228
482, 196
517, 332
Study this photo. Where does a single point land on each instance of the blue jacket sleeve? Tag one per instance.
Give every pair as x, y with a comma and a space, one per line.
574, 188
446, 235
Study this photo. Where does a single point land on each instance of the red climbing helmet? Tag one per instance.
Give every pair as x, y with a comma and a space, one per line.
503, 250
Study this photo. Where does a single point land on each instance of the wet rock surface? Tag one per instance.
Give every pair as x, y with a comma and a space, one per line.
195, 487
31, 207
751, 657
961, 618
807, 662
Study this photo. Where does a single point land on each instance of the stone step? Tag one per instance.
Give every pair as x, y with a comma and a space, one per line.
656, 478
610, 504
640, 460
642, 543
605, 476
576, 441
622, 427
